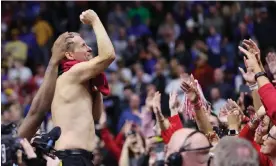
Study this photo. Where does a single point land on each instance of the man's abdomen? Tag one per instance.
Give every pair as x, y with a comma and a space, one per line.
77, 126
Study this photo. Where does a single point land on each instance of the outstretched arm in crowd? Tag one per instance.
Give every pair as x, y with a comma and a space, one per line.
41, 103
161, 120
189, 86
147, 123
249, 75
235, 115
167, 126
266, 90
89, 69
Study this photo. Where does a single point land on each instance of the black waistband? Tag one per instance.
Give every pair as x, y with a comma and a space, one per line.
74, 152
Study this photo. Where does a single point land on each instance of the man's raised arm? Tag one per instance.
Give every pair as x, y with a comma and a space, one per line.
41, 103
87, 70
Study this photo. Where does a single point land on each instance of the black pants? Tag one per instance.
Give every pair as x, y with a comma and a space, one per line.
75, 157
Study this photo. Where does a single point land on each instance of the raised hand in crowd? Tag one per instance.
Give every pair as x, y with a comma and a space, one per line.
257, 120
189, 86
126, 129
174, 103
249, 75
149, 98
251, 61
132, 145
223, 113
235, 114
252, 47
233, 107
271, 62
156, 104
147, 122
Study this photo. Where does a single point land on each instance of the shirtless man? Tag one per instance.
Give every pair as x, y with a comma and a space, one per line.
73, 108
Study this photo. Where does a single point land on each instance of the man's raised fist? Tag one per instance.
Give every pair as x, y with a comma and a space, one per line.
88, 16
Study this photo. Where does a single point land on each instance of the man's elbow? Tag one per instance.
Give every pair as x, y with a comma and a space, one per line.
111, 56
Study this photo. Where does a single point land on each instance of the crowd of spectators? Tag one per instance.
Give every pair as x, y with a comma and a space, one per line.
157, 45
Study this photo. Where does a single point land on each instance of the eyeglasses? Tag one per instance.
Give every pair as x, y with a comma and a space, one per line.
183, 149
269, 135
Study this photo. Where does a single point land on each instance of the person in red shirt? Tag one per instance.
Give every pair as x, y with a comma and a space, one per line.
266, 90
267, 151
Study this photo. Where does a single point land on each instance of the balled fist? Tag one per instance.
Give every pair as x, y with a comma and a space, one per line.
88, 16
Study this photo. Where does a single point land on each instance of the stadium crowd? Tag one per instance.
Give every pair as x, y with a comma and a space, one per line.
188, 79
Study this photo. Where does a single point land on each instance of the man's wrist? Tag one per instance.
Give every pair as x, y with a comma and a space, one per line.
197, 104
160, 118
95, 20
257, 69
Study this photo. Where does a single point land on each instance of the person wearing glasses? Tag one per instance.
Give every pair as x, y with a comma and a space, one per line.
188, 147
267, 150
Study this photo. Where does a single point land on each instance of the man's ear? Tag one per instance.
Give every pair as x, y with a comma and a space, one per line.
69, 55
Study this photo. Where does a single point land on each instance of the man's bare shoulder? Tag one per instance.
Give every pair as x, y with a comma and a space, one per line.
80, 68
71, 76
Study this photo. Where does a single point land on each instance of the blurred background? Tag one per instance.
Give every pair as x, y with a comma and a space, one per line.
155, 42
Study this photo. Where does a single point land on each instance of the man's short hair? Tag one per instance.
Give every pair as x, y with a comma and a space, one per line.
234, 151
